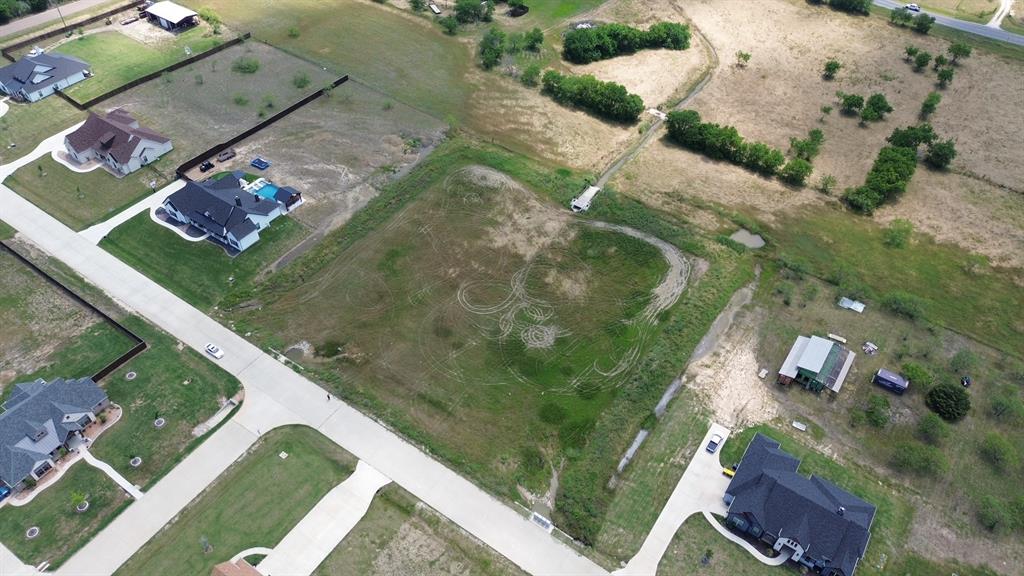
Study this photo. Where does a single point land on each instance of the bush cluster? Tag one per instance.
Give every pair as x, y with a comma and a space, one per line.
950, 401
606, 99
495, 44
889, 175
246, 65
584, 45
854, 6
919, 459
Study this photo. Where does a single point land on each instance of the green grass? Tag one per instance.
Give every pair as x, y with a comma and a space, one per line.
256, 502
160, 388
117, 59
694, 538
99, 345
199, 272
382, 543
6, 232
550, 14
956, 291
81, 200
26, 125
1004, 49
1013, 24
62, 530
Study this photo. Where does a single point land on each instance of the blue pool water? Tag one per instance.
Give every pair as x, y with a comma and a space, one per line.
267, 191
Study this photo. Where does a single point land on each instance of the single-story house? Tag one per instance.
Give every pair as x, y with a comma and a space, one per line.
37, 75
118, 141
39, 419
824, 527
171, 16
817, 363
225, 209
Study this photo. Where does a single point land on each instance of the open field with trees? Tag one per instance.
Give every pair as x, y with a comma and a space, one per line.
246, 491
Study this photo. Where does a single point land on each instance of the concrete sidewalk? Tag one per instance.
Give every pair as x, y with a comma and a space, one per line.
110, 472
320, 532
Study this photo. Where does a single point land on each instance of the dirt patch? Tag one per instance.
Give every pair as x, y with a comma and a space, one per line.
415, 550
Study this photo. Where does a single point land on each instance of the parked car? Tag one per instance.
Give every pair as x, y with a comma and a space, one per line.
4, 492
913, 7
260, 163
730, 472
214, 351
226, 155
206, 166
716, 440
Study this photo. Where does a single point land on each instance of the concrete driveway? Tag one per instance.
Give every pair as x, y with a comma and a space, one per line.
700, 489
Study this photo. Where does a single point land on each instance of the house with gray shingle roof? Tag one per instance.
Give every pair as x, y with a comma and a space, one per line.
39, 419
117, 140
825, 528
36, 76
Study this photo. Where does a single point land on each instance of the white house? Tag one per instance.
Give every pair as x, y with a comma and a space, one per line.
118, 141
36, 76
171, 16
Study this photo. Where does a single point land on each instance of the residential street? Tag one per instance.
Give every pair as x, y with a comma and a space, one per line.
47, 16
979, 29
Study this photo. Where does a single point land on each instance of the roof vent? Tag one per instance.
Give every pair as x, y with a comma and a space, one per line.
238, 201
842, 510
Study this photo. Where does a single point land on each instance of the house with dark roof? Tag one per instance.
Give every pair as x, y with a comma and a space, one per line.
817, 363
117, 140
825, 528
38, 75
225, 209
39, 420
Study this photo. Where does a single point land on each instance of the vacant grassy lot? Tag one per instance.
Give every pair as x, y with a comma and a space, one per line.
199, 272
400, 535
116, 59
62, 530
26, 125
698, 548
178, 385
255, 503
971, 10
81, 200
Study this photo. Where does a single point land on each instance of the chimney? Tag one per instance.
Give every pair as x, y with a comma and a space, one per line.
256, 198
238, 201
842, 510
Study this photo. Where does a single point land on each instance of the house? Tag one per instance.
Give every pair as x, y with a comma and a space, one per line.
227, 211
38, 74
39, 420
891, 381
170, 16
817, 363
118, 141
824, 527
239, 568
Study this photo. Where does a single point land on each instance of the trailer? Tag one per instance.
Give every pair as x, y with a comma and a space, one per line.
435, 9
891, 381
582, 202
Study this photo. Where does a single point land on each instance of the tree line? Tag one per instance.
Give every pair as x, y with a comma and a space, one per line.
606, 99
585, 45
11, 9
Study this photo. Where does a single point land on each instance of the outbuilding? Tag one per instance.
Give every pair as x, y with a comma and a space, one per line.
582, 202
170, 16
891, 381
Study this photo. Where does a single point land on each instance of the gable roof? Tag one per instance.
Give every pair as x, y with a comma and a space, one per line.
35, 72
117, 134
167, 10
38, 418
814, 356
831, 524
221, 206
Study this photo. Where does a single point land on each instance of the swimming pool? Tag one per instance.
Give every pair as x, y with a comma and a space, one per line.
267, 191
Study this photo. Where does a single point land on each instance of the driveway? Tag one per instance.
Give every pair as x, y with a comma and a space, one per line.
994, 33
700, 489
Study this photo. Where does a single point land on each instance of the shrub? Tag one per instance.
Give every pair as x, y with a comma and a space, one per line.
245, 65
418, 5
534, 39
901, 16
809, 147
832, 67
552, 414
293, 32
300, 80
585, 45
998, 452
449, 24
877, 412
851, 103
826, 184
531, 460
903, 304
898, 233
876, 107
606, 99
950, 401
958, 50
919, 459
531, 75
992, 514
910, 51
921, 59
932, 429
469, 11
492, 47
241, 100
963, 361
796, 171
918, 375
1007, 408
923, 23
209, 16
940, 154
854, 6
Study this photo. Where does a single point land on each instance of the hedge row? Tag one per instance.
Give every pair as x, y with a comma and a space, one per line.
584, 45
889, 175
606, 99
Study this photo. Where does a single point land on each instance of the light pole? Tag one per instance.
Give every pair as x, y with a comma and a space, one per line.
61, 17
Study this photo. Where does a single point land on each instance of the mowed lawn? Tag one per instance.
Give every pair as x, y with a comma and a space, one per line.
256, 502
407, 58
62, 530
181, 386
199, 272
117, 59
81, 200
26, 125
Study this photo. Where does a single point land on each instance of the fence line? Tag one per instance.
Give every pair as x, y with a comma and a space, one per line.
6, 50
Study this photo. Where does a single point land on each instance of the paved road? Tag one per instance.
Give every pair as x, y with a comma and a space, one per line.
44, 17
973, 28
275, 390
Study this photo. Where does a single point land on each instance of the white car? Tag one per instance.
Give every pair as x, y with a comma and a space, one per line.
214, 351
913, 7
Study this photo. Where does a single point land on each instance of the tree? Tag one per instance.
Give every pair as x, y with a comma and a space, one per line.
534, 40
950, 401
898, 233
809, 147
450, 25
939, 62
998, 452
878, 105
530, 75
742, 58
931, 102
851, 103
932, 429
832, 66
901, 16
912, 136
469, 11
921, 60
923, 23
958, 50
492, 47
945, 77
855, 6
796, 171
418, 5
910, 52
940, 154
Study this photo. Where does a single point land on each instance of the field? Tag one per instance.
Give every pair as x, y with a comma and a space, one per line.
81, 200
980, 11
400, 535
61, 529
269, 493
128, 52
201, 273
26, 125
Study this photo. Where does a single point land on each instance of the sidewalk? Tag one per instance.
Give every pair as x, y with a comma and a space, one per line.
97, 232
114, 475
316, 536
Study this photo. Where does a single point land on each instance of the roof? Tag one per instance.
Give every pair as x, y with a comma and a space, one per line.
117, 134
835, 384
854, 305
221, 206
831, 524
815, 354
239, 568
173, 13
35, 72
40, 408
790, 364
892, 378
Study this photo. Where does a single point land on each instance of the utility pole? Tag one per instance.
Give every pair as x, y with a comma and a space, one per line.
61, 16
